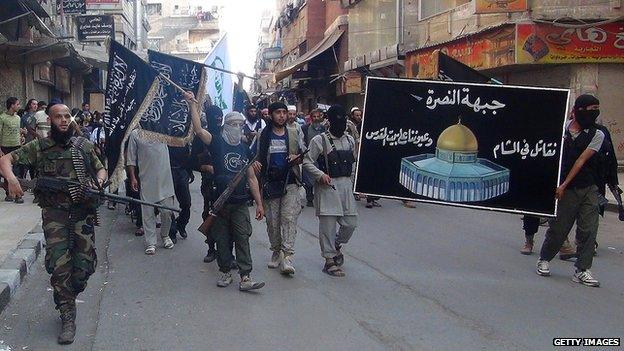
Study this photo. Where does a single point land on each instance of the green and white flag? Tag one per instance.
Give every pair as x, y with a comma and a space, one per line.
219, 85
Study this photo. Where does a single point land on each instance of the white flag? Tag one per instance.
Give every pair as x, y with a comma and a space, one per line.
220, 85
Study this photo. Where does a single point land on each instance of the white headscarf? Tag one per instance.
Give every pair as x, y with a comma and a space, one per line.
232, 135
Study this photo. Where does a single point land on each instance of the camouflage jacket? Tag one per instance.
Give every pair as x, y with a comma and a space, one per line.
54, 160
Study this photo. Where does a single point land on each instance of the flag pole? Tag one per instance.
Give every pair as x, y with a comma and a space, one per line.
174, 84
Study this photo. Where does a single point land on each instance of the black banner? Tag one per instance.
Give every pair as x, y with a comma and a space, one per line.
70, 7
473, 145
91, 28
452, 70
130, 89
168, 115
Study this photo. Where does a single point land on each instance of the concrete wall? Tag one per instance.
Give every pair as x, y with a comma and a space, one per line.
611, 94
11, 83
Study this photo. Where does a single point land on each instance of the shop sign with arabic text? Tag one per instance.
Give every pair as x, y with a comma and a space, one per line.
545, 43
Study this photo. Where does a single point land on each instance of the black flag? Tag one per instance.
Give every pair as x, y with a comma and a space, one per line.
130, 90
168, 117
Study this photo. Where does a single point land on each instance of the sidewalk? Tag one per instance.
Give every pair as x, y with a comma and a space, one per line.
21, 241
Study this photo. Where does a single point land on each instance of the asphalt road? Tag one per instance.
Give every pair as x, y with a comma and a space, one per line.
430, 278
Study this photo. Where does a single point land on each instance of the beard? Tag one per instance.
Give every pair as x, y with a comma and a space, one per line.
278, 124
59, 136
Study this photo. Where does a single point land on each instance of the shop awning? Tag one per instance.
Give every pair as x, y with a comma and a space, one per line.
320, 48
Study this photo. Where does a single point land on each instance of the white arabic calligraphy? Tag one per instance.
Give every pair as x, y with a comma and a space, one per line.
400, 137
523, 148
462, 97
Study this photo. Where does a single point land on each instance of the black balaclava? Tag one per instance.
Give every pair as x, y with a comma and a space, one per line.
214, 117
337, 117
59, 136
586, 118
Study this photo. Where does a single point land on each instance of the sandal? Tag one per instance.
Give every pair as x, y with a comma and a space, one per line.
339, 258
332, 269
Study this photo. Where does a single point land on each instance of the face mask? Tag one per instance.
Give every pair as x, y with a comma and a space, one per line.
337, 126
586, 118
232, 134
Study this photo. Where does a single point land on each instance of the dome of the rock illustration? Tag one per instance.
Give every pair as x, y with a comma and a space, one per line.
454, 173
458, 138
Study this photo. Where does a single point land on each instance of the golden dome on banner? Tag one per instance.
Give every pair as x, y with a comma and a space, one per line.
458, 138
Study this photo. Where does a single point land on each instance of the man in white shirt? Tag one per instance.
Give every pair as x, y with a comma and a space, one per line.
152, 159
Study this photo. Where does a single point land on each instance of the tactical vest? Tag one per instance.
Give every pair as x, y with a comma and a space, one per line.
337, 163
57, 161
572, 150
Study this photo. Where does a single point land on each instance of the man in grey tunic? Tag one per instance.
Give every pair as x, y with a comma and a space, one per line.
152, 159
333, 188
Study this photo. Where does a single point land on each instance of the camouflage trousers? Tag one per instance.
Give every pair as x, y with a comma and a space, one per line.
281, 216
70, 259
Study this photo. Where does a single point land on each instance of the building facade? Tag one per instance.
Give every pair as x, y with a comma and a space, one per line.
181, 28
573, 44
45, 56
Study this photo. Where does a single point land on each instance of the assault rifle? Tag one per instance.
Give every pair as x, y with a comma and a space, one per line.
217, 206
617, 193
78, 192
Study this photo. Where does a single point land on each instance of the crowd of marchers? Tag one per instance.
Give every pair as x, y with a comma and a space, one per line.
280, 153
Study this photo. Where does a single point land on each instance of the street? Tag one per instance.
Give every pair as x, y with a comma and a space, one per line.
429, 278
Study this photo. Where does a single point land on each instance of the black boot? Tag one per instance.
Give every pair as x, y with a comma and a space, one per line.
68, 326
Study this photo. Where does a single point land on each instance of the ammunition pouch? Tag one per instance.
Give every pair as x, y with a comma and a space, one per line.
339, 163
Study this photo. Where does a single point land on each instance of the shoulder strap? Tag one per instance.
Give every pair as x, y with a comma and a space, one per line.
331, 142
325, 153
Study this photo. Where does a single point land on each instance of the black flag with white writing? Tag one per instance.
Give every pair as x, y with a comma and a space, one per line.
130, 90
168, 117
472, 145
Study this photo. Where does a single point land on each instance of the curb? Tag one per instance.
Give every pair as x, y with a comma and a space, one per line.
18, 263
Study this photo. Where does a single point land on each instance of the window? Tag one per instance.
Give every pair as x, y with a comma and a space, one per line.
154, 9
430, 8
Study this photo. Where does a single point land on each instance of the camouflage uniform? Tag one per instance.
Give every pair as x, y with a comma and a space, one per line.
70, 259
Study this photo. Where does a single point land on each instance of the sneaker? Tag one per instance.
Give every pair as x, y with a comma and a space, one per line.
585, 278
247, 284
286, 266
309, 203
139, 232
543, 268
19, 200
527, 249
168, 243
9, 199
224, 280
211, 255
276, 257
151, 249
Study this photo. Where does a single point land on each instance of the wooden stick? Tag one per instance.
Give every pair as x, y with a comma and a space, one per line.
175, 85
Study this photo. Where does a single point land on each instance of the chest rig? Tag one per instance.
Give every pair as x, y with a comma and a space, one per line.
336, 163
69, 162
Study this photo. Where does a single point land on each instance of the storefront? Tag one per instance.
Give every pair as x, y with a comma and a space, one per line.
586, 60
